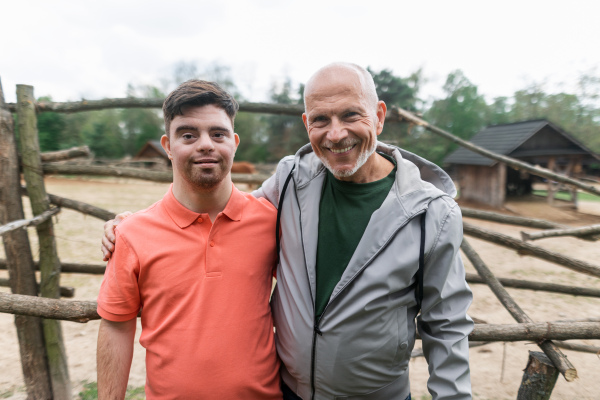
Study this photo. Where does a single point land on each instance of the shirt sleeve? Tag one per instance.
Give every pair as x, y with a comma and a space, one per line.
119, 297
443, 324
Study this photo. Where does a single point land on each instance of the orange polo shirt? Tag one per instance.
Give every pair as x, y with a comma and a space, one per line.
204, 293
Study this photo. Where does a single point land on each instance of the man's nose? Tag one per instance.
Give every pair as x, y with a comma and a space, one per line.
337, 131
205, 143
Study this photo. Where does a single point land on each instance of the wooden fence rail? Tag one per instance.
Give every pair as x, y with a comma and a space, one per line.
23, 223
84, 311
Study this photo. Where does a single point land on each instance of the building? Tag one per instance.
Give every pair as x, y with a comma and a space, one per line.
153, 153
538, 142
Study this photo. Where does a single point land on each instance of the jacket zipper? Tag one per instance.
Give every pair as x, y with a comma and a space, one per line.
317, 331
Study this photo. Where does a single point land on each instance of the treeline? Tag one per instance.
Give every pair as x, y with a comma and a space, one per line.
266, 138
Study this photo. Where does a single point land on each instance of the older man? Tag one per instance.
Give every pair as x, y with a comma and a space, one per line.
352, 221
370, 235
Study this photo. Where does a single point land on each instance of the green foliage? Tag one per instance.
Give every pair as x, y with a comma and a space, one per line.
140, 125
286, 134
51, 127
400, 92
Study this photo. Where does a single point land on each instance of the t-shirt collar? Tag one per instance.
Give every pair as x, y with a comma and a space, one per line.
184, 217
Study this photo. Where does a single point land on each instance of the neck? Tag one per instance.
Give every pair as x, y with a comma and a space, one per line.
209, 201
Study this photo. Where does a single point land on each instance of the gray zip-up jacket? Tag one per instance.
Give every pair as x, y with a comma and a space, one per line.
361, 345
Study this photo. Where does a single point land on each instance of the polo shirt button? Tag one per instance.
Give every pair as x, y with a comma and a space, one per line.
200, 219
212, 244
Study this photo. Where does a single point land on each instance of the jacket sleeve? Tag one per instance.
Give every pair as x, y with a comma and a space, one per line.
270, 188
444, 325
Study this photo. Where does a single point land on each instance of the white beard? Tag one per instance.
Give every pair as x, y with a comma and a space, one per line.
346, 173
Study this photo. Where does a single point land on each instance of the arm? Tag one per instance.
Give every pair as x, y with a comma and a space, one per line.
444, 325
108, 240
270, 188
114, 354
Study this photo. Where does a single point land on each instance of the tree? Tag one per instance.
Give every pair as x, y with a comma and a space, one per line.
462, 112
140, 125
51, 129
400, 92
286, 134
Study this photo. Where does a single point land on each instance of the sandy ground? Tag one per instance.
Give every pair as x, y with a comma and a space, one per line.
496, 368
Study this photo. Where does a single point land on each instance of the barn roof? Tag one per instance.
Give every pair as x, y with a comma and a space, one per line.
506, 140
155, 145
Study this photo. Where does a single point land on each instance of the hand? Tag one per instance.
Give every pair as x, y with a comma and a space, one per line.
108, 240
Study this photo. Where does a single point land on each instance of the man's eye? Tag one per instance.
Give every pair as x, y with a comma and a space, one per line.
187, 136
319, 121
218, 135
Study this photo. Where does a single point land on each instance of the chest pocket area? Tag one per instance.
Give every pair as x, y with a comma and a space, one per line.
402, 326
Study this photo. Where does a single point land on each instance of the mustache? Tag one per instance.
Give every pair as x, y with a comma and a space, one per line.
339, 145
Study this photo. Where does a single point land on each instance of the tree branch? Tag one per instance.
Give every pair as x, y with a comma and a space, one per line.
22, 223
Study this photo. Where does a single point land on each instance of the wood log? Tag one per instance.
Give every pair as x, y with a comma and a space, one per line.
530, 250
535, 332
80, 206
540, 286
66, 310
509, 219
577, 232
65, 291
539, 378
20, 263
93, 269
583, 348
49, 262
558, 358
23, 223
407, 116
73, 152
137, 173
83, 311
131, 102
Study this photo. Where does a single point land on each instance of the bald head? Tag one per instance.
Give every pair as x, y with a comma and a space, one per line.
342, 73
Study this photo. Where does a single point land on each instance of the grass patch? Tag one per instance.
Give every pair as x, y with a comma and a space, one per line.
90, 392
566, 196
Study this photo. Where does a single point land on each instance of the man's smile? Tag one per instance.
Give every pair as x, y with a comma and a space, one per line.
344, 150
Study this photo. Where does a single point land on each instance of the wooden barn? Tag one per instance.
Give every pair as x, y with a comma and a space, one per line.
153, 152
536, 142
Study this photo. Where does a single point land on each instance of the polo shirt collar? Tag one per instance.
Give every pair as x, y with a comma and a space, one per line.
184, 217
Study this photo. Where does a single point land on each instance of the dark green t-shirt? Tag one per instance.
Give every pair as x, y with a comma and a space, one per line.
344, 214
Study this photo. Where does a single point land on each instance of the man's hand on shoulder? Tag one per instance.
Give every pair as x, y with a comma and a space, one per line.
109, 238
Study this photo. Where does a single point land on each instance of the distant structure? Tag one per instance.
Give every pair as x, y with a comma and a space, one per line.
153, 153
537, 142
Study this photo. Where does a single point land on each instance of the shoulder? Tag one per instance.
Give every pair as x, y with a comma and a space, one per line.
140, 221
260, 205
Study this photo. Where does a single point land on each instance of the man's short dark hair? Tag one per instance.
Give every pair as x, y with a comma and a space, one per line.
198, 93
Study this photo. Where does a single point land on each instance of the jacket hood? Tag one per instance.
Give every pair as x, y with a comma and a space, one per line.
414, 172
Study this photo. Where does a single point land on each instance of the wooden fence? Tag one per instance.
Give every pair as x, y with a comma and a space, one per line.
37, 318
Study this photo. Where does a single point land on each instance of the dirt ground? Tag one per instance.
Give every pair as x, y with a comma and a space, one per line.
496, 368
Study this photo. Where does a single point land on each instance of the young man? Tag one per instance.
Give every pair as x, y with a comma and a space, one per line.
198, 264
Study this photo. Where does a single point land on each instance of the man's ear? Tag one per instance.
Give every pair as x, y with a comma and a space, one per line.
305, 120
166, 144
237, 140
381, 111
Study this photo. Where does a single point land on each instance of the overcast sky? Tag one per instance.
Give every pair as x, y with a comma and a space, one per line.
83, 49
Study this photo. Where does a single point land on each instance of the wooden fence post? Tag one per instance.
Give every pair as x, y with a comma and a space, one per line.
539, 378
20, 263
49, 262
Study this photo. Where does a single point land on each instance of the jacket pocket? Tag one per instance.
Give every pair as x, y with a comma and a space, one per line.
401, 320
